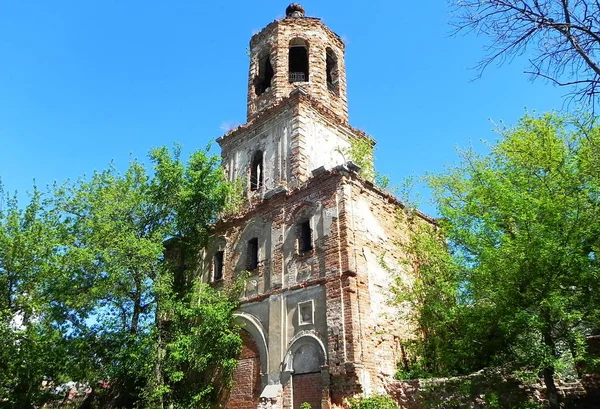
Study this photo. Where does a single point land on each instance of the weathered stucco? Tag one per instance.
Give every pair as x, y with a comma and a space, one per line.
295, 137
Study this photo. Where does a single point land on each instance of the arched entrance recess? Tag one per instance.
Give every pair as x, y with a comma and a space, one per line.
304, 360
247, 383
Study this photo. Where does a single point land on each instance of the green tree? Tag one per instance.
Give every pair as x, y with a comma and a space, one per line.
142, 305
32, 348
432, 299
522, 227
83, 274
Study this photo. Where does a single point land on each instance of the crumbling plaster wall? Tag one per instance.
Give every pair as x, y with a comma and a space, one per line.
375, 234
325, 142
273, 138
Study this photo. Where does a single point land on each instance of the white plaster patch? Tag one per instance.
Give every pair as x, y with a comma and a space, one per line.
380, 281
324, 145
367, 222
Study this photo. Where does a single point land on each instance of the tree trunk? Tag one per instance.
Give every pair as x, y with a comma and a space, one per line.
23, 395
137, 307
551, 391
158, 367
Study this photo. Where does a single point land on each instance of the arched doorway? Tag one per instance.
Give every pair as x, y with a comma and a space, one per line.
305, 359
246, 387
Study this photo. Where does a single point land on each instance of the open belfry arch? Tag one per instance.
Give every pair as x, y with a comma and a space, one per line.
314, 236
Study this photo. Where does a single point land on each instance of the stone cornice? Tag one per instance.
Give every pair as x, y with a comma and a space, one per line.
297, 97
307, 21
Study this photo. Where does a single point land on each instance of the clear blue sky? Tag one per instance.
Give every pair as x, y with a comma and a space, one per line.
86, 82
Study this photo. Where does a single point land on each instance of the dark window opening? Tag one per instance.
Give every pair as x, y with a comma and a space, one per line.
265, 75
256, 171
332, 71
305, 237
218, 265
298, 60
252, 254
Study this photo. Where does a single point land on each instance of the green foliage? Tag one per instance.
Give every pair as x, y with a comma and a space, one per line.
432, 301
520, 284
305, 405
412, 370
361, 153
236, 199
193, 367
87, 294
373, 402
32, 349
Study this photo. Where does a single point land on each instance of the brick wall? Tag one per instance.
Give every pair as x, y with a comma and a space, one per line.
354, 224
246, 386
307, 388
274, 40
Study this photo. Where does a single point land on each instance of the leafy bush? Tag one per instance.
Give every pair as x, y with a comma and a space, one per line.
373, 402
414, 371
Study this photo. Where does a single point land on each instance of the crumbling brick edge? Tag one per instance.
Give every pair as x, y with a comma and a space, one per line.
476, 390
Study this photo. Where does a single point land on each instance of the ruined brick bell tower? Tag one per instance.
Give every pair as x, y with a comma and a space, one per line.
296, 58
297, 52
316, 321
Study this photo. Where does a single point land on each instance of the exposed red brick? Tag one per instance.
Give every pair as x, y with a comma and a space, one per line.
246, 386
307, 388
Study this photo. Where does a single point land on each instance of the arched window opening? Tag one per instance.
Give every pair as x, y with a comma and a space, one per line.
256, 171
218, 260
252, 254
298, 60
304, 234
332, 71
262, 82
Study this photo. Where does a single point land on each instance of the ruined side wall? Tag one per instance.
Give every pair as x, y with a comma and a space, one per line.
374, 234
480, 389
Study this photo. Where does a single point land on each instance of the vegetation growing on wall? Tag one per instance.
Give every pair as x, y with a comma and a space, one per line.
373, 402
361, 153
488, 388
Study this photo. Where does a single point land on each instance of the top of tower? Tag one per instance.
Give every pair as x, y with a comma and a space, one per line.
297, 52
294, 10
